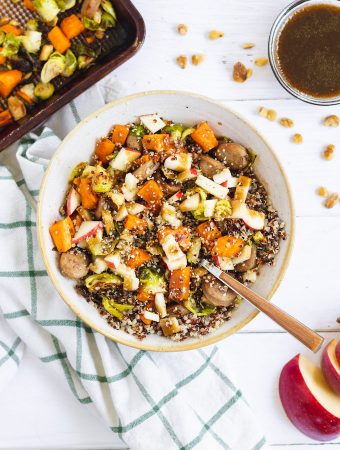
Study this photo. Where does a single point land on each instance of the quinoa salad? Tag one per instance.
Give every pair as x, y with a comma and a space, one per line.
154, 200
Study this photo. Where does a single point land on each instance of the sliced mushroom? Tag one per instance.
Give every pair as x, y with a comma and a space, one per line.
89, 8
210, 166
168, 188
146, 170
233, 155
134, 142
249, 264
73, 264
215, 293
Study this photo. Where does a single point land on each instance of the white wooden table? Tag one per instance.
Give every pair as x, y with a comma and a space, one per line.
37, 411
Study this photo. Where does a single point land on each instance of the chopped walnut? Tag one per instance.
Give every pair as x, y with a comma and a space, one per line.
197, 59
247, 45
182, 29
329, 152
261, 62
322, 191
182, 61
263, 111
297, 138
240, 72
331, 121
332, 200
213, 35
271, 115
287, 123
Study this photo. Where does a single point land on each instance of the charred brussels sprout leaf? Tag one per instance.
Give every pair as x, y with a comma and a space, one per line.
102, 281
199, 310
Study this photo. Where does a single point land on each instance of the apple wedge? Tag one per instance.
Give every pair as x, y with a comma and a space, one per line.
124, 159
87, 229
252, 219
153, 122
178, 162
113, 260
211, 187
187, 175
72, 202
175, 198
309, 402
337, 352
190, 203
330, 366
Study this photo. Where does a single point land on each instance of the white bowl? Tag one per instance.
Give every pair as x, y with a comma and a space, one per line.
188, 109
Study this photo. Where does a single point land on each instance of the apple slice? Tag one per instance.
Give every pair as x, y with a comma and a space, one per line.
152, 122
187, 175
309, 402
113, 260
209, 206
243, 256
242, 188
124, 159
331, 367
178, 162
169, 214
121, 214
174, 264
337, 352
73, 201
160, 304
151, 316
253, 219
190, 203
87, 229
211, 187
175, 198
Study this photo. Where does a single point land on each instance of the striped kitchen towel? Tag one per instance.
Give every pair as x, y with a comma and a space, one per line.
151, 400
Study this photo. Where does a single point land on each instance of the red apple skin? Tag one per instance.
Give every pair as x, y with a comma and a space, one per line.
337, 352
329, 371
302, 408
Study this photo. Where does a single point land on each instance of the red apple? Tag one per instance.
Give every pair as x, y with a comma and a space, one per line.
308, 400
73, 201
330, 366
87, 229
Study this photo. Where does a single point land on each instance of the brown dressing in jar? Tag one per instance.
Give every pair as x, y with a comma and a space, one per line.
309, 51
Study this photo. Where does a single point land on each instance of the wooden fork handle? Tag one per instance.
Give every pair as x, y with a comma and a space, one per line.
308, 337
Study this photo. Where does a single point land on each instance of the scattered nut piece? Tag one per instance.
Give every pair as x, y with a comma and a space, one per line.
182, 29
197, 59
332, 200
331, 121
287, 123
249, 72
240, 72
182, 61
263, 111
297, 138
213, 35
322, 191
329, 152
271, 115
260, 62
247, 45
4, 20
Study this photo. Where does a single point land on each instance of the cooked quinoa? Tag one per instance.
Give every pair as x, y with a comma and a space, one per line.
155, 199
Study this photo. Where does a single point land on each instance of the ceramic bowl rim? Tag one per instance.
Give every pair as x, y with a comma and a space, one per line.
199, 343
